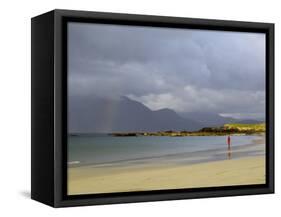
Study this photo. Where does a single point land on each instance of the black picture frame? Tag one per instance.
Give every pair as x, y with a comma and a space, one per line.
49, 106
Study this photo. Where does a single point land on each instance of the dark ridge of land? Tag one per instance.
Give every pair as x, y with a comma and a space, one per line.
227, 129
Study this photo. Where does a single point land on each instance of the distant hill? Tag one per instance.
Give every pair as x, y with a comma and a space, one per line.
247, 121
123, 115
209, 119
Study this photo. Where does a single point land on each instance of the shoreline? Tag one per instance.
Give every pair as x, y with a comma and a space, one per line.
244, 167
226, 129
242, 171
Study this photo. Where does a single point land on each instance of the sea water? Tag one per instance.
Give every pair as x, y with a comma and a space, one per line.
107, 150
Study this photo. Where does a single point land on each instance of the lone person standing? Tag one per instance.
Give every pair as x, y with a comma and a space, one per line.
229, 147
228, 141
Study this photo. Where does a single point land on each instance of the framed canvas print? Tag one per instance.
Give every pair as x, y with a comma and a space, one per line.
131, 108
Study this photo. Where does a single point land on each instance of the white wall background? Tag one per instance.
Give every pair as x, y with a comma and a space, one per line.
15, 106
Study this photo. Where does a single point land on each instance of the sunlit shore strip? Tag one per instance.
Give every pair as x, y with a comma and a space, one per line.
227, 129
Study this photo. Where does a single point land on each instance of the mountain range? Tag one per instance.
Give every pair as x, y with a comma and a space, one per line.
211, 119
104, 115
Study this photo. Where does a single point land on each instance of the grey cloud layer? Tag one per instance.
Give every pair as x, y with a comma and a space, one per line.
185, 70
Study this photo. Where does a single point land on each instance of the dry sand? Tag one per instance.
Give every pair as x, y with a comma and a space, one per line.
243, 171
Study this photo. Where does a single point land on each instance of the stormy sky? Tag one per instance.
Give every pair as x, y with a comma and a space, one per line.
184, 70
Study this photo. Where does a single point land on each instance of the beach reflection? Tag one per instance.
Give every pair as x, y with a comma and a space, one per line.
229, 152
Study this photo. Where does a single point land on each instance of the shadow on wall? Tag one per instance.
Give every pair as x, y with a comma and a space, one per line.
25, 194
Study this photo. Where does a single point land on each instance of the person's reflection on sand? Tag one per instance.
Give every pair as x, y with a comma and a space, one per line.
229, 152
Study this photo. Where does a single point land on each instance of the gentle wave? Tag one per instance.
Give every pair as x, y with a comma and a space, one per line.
74, 162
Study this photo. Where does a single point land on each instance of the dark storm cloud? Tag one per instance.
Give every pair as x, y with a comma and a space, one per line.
185, 70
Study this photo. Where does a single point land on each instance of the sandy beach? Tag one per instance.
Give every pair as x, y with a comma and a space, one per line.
241, 171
